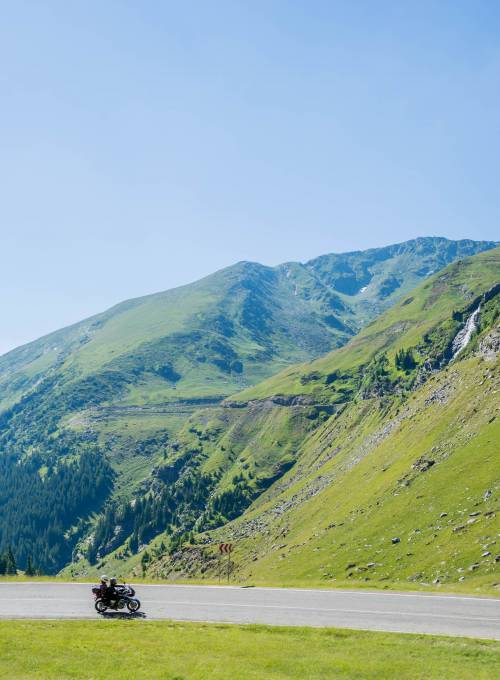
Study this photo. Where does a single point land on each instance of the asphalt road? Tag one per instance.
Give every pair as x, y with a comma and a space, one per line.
403, 612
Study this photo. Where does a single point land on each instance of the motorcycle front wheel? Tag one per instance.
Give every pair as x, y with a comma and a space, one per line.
100, 606
133, 605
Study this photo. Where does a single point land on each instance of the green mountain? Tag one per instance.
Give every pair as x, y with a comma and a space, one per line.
226, 331
96, 413
376, 463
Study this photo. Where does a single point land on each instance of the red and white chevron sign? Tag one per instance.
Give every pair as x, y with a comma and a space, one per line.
225, 548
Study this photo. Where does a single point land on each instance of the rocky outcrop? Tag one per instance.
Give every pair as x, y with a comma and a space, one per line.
489, 346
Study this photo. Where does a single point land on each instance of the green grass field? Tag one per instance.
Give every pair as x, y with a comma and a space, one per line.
55, 650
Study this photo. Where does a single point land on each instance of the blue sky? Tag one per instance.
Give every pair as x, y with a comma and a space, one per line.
146, 144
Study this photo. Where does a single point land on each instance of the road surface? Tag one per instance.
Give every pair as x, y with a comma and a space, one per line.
401, 612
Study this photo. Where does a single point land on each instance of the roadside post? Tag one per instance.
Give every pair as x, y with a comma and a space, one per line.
225, 549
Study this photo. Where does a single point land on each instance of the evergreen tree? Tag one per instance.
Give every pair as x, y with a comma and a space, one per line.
133, 543
30, 570
145, 559
10, 562
405, 360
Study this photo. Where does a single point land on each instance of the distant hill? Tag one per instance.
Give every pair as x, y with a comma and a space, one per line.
119, 387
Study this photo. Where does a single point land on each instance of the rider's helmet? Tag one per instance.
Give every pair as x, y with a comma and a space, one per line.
112, 581
104, 578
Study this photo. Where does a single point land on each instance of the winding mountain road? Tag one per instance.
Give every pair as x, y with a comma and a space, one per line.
383, 611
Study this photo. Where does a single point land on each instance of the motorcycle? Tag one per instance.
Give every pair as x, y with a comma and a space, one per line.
123, 598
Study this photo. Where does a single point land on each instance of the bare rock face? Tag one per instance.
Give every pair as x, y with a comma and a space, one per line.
489, 347
423, 464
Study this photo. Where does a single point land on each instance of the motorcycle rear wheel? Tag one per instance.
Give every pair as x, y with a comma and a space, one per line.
100, 606
133, 605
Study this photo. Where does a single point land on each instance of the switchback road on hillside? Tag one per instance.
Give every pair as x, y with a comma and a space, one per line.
369, 610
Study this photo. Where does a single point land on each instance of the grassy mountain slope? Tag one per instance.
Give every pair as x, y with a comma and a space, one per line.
126, 386
210, 337
314, 472
425, 473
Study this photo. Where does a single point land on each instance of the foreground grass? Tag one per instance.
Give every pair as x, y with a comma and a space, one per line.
188, 651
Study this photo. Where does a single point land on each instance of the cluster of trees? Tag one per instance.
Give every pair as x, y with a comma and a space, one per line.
8, 563
405, 360
179, 507
40, 503
174, 508
376, 380
232, 501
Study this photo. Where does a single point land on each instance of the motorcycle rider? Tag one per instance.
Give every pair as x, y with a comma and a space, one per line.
100, 590
103, 586
112, 593
107, 590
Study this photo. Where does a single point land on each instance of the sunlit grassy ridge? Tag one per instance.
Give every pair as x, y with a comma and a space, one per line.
424, 474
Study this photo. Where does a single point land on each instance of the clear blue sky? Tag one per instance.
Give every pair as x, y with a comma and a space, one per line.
146, 144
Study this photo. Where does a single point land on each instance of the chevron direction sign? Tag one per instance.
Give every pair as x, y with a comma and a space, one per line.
225, 548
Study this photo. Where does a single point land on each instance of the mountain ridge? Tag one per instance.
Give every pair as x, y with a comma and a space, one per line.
137, 300
96, 397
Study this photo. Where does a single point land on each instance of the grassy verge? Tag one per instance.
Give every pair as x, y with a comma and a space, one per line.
187, 651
